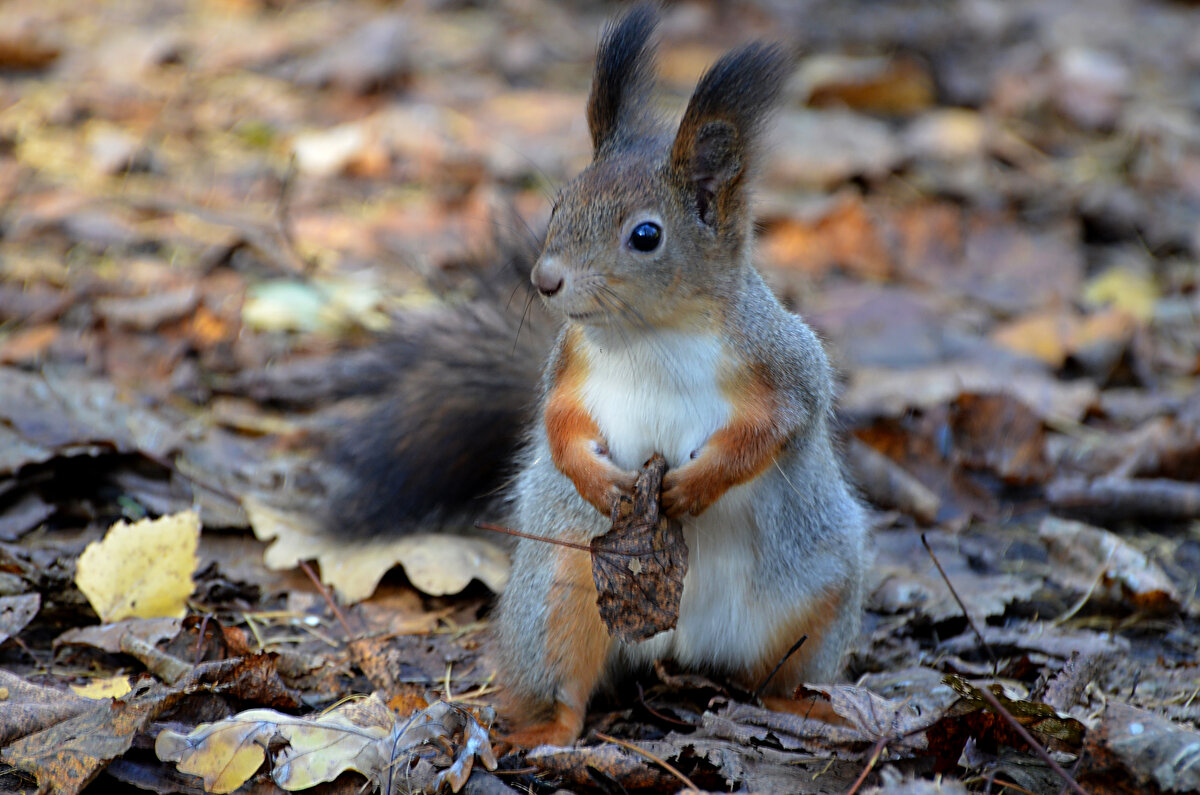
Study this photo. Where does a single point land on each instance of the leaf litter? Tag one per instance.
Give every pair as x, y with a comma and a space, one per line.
989, 211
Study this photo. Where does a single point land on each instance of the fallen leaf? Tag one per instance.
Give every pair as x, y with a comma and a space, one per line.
825, 148
30, 708
999, 433
947, 134
1038, 636
1132, 292
1041, 268
889, 85
29, 344
639, 565
888, 392
323, 305
1104, 567
1041, 719
108, 637
361, 734
143, 570
16, 612
575, 766
367, 59
887, 484
66, 756
1054, 334
436, 563
843, 236
148, 312
905, 579
110, 687
938, 786
26, 50
1155, 752
866, 711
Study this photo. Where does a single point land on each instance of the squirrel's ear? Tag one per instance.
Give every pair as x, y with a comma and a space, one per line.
624, 74
714, 148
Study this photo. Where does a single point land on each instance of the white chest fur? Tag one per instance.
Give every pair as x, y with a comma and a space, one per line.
657, 393
662, 394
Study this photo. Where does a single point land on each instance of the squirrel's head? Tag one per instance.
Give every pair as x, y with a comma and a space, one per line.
657, 228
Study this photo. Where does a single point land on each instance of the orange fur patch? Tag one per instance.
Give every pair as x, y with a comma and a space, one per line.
573, 433
814, 620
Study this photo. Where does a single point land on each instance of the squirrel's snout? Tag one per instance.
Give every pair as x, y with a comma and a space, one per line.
548, 277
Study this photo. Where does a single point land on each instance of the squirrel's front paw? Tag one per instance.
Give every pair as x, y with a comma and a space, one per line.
606, 486
685, 492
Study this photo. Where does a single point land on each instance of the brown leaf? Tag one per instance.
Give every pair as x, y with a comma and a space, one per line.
576, 766
905, 579
26, 50
107, 637
1152, 750
899, 85
880, 391
1053, 334
1000, 433
1040, 719
68, 755
252, 679
844, 236
639, 565
749, 725
1107, 569
30, 344
30, 708
868, 712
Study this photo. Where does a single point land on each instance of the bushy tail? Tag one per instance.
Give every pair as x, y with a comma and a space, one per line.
461, 386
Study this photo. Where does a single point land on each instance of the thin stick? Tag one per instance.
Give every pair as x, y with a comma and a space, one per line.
660, 762
767, 679
337, 611
962, 606
508, 531
495, 528
200, 639
876, 752
1027, 737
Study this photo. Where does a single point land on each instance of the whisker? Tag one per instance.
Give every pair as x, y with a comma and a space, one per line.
521, 324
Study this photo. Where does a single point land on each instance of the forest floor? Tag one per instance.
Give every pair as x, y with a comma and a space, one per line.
209, 210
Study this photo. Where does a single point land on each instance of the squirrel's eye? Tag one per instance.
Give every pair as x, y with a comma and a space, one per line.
645, 236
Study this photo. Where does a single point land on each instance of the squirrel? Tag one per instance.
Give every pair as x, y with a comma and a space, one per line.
670, 342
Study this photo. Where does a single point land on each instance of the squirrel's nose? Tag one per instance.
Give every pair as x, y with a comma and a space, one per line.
548, 277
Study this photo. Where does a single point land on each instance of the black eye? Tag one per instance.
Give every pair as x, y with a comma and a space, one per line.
645, 236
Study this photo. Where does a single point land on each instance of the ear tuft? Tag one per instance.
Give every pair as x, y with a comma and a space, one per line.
624, 75
715, 146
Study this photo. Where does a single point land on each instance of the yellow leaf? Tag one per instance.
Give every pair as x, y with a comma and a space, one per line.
1128, 290
142, 570
224, 754
1045, 336
110, 687
436, 563
359, 734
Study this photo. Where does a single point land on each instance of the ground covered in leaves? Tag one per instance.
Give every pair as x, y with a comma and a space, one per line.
208, 210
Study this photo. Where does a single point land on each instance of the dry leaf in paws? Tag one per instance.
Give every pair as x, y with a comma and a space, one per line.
639, 565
